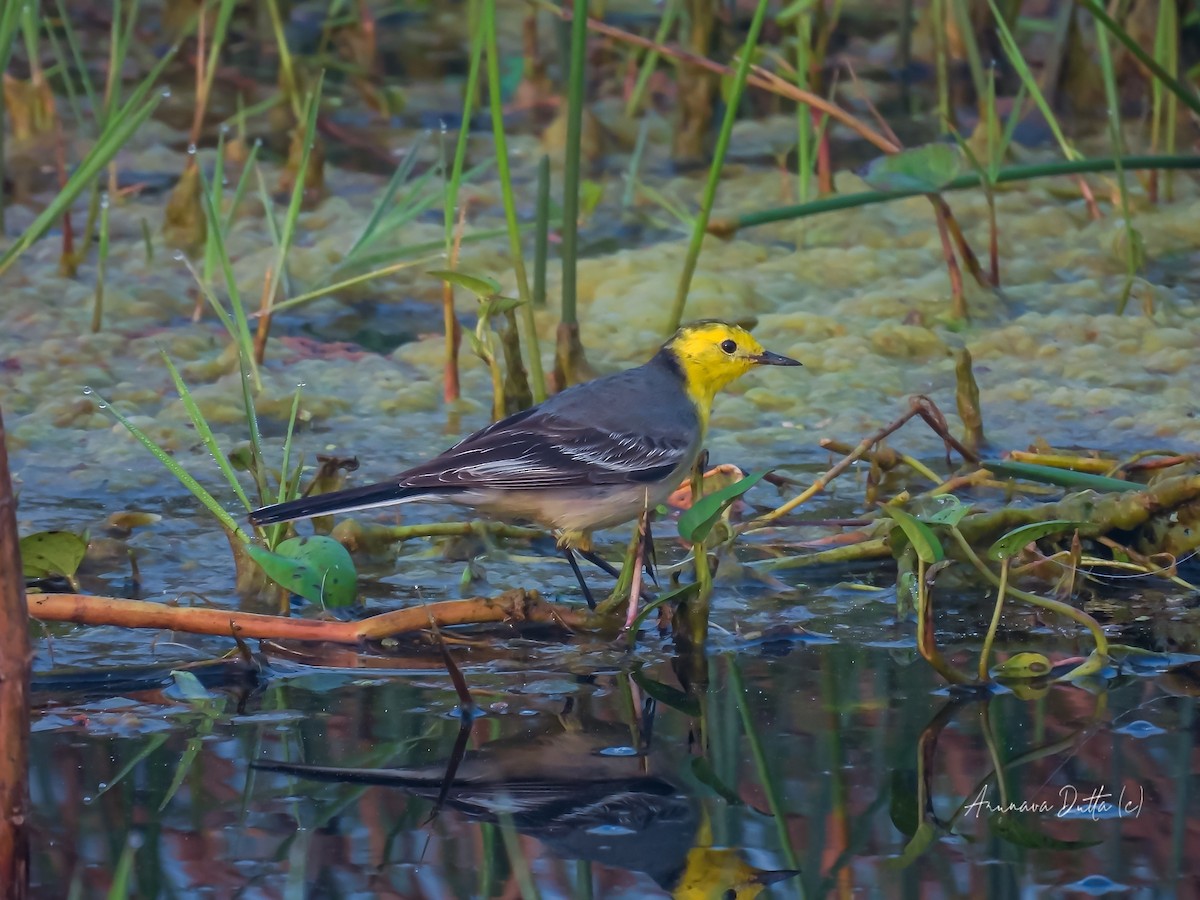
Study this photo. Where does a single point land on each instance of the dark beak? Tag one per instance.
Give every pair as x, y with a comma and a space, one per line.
767, 358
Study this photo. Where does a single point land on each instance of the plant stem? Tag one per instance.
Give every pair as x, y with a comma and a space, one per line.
1063, 609
576, 72
726, 228
986, 652
510, 206
541, 233
714, 171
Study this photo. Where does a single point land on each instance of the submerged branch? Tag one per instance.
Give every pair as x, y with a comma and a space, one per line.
513, 606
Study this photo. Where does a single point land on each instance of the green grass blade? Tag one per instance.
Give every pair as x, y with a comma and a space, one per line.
1132, 238
185, 478
106, 148
205, 432
460, 145
239, 191
240, 334
288, 232
1017, 60
384, 203
1189, 98
714, 171
536, 375
85, 78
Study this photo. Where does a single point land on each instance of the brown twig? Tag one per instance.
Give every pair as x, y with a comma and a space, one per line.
958, 301
263, 331
511, 606
918, 406
759, 77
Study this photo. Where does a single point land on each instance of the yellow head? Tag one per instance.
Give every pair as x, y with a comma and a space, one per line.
711, 354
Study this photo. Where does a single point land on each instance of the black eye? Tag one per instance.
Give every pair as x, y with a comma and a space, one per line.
729, 346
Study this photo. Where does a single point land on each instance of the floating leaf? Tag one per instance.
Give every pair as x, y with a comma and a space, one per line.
927, 169
317, 568
1060, 477
480, 286
1023, 667
1010, 828
925, 542
128, 519
697, 522
190, 687
1012, 543
950, 511
48, 553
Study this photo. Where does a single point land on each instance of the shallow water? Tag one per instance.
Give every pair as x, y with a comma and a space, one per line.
584, 765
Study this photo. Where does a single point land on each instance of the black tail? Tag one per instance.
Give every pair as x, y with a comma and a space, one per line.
385, 493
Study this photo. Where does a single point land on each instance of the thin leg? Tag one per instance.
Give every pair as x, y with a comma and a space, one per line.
649, 556
587, 592
600, 562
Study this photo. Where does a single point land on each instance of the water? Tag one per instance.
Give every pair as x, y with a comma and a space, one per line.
826, 782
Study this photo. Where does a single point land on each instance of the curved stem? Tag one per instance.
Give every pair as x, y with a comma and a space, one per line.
1063, 609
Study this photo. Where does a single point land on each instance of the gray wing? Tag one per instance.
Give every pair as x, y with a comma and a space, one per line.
537, 450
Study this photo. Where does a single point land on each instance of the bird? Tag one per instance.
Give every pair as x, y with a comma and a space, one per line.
593, 456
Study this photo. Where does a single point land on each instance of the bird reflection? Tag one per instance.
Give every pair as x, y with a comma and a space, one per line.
582, 792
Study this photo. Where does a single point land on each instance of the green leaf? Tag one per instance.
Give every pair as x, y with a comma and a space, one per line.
950, 511
481, 286
680, 593
191, 688
925, 542
499, 305
792, 10
1011, 544
1022, 667
1060, 477
317, 568
49, 553
1011, 828
927, 169
697, 522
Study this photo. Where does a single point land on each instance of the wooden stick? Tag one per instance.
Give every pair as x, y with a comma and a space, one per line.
511, 606
14, 698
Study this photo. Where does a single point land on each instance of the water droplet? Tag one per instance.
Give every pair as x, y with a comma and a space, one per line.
102, 785
104, 200
301, 385
178, 256
101, 405
191, 150
87, 390
226, 128
258, 142
87, 801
